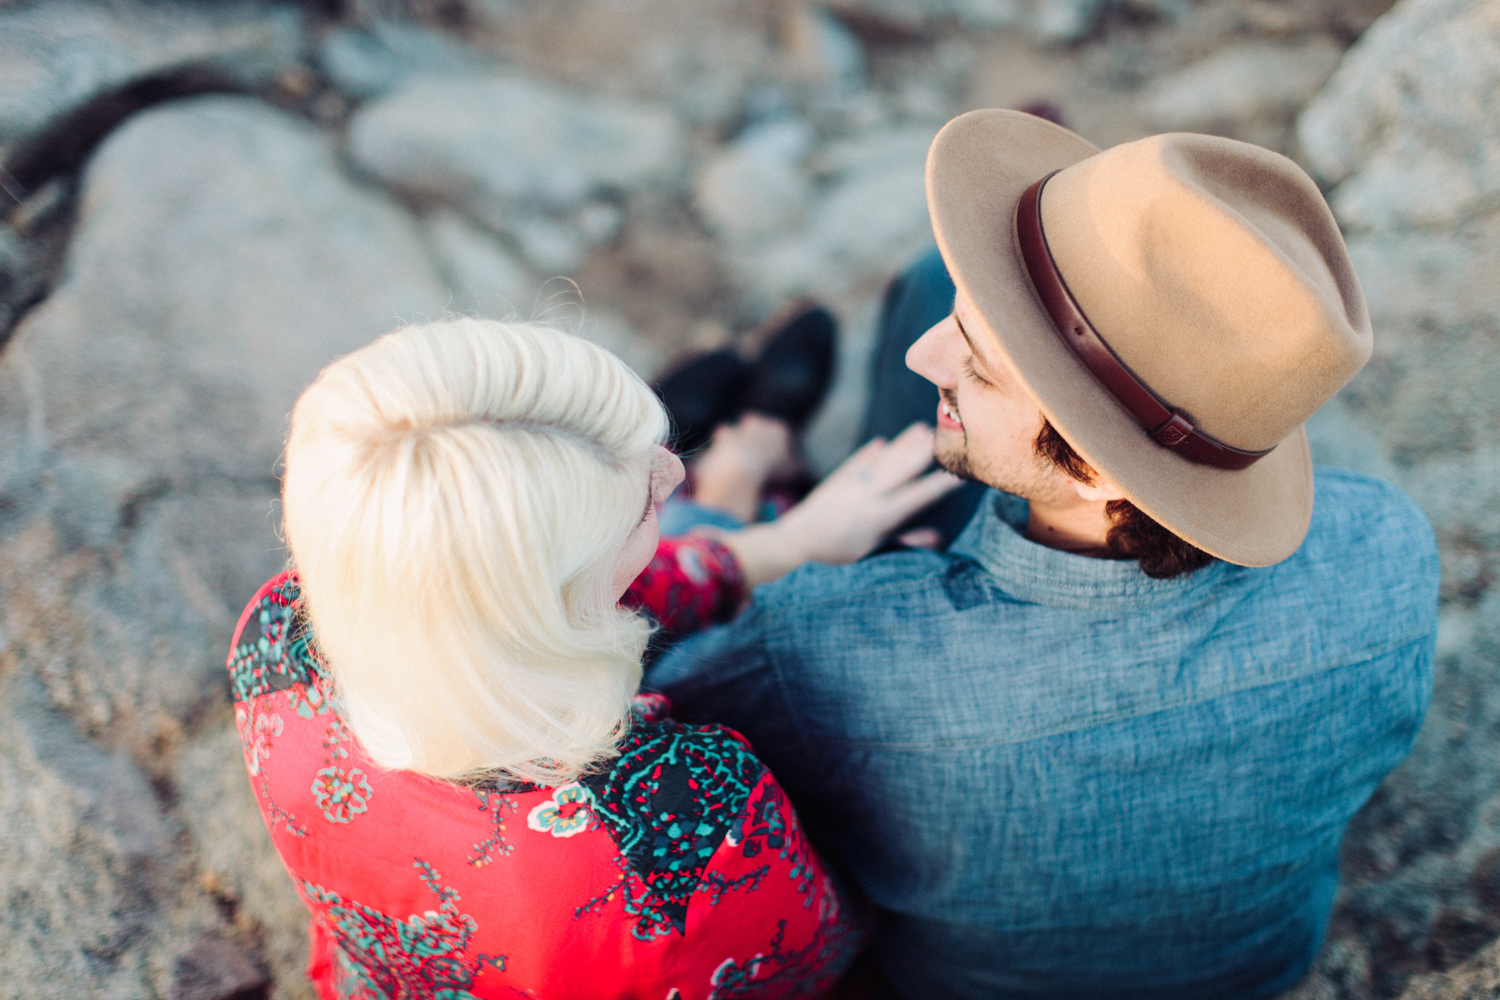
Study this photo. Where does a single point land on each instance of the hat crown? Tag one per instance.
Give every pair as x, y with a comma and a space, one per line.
1216, 273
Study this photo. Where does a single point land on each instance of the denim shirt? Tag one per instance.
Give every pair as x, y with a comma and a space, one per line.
1058, 777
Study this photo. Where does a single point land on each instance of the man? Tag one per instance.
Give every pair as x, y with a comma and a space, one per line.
1106, 744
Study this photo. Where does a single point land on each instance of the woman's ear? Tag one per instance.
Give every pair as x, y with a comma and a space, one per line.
1101, 489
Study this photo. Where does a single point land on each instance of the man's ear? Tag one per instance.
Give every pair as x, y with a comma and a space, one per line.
1102, 489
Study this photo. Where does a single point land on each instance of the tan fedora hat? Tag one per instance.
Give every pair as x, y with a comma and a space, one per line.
1178, 306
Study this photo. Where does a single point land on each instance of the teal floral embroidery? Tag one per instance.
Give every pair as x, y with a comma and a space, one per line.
565, 814
425, 955
315, 697
265, 729
333, 739
668, 803
495, 845
341, 796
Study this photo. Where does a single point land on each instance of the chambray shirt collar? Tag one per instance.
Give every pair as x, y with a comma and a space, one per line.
1034, 573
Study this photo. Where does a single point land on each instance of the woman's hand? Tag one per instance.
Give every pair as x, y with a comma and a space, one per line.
732, 471
849, 513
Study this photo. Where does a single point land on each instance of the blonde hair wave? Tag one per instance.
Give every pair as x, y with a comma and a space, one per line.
455, 496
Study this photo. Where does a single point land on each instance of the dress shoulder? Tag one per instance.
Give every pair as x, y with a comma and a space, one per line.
272, 647
669, 800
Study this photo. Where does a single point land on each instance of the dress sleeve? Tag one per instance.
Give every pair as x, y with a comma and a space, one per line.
691, 583
768, 918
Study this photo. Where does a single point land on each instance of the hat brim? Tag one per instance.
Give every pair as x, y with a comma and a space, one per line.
977, 169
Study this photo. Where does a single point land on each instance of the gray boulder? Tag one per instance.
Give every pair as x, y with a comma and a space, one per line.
57, 55
1406, 127
1405, 135
1405, 132
1242, 84
519, 156
866, 219
368, 64
756, 188
484, 278
86, 860
219, 260
1046, 20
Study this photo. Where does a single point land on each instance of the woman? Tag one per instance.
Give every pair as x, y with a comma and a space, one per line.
439, 710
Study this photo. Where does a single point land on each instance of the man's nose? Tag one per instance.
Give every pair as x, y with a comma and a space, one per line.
928, 357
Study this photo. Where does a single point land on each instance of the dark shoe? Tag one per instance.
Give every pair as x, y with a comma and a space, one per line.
700, 395
792, 375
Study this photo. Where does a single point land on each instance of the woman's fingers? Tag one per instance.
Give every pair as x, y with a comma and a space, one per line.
860, 462
917, 494
921, 538
908, 454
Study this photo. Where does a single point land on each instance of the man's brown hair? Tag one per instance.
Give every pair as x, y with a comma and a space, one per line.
1132, 534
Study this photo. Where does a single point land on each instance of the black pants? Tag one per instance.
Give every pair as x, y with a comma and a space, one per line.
917, 299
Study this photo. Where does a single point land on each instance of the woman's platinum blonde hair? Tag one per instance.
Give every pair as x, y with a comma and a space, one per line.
455, 497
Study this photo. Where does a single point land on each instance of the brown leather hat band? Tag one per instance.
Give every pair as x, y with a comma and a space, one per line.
1164, 425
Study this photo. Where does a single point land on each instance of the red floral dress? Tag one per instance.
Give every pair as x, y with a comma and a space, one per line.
690, 583
679, 873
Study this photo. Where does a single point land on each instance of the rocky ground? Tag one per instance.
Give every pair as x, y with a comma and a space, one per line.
205, 202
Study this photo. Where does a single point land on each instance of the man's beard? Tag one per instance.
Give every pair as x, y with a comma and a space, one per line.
1031, 480
956, 460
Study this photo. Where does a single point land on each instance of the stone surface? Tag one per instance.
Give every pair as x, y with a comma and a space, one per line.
370, 63
173, 269
1048, 20
747, 196
55, 56
1404, 132
691, 163
1405, 128
865, 218
519, 156
84, 862
1240, 84
220, 258
237, 864
483, 277
213, 967
823, 49
701, 58
613, 332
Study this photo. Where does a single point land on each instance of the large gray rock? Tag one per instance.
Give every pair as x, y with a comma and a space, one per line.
867, 218
1047, 20
1405, 133
55, 56
88, 864
220, 259
755, 188
485, 278
520, 156
1241, 84
236, 861
1406, 127
370, 63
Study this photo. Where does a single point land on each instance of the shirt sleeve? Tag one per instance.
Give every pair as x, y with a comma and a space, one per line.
692, 582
